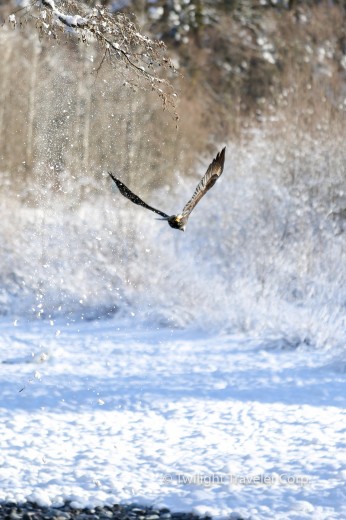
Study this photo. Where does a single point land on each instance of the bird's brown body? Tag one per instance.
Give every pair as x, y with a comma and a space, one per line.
179, 221
176, 222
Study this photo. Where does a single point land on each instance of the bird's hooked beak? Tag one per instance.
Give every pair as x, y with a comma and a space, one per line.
182, 229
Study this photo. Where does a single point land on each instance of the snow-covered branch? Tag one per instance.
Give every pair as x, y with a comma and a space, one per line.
140, 59
75, 21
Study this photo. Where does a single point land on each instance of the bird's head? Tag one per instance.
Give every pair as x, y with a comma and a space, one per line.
175, 221
180, 223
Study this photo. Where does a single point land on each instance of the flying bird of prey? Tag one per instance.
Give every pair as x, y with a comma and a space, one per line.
179, 221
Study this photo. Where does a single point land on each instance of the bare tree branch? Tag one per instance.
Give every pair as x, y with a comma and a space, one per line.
141, 59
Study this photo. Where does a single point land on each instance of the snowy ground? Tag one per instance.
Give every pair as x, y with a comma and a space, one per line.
96, 413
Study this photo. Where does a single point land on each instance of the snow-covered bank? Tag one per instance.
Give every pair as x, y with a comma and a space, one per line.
99, 413
264, 254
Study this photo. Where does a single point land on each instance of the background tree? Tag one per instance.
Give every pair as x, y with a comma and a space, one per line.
239, 63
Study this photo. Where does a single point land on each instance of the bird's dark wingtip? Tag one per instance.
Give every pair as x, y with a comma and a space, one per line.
221, 155
220, 158
112, 176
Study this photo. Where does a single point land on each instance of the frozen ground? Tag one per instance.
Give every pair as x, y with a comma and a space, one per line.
96, 413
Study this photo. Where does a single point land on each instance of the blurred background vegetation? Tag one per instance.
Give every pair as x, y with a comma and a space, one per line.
241, 64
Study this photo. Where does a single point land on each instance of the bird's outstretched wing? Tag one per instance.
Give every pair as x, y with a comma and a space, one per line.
212, 174
131, 196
